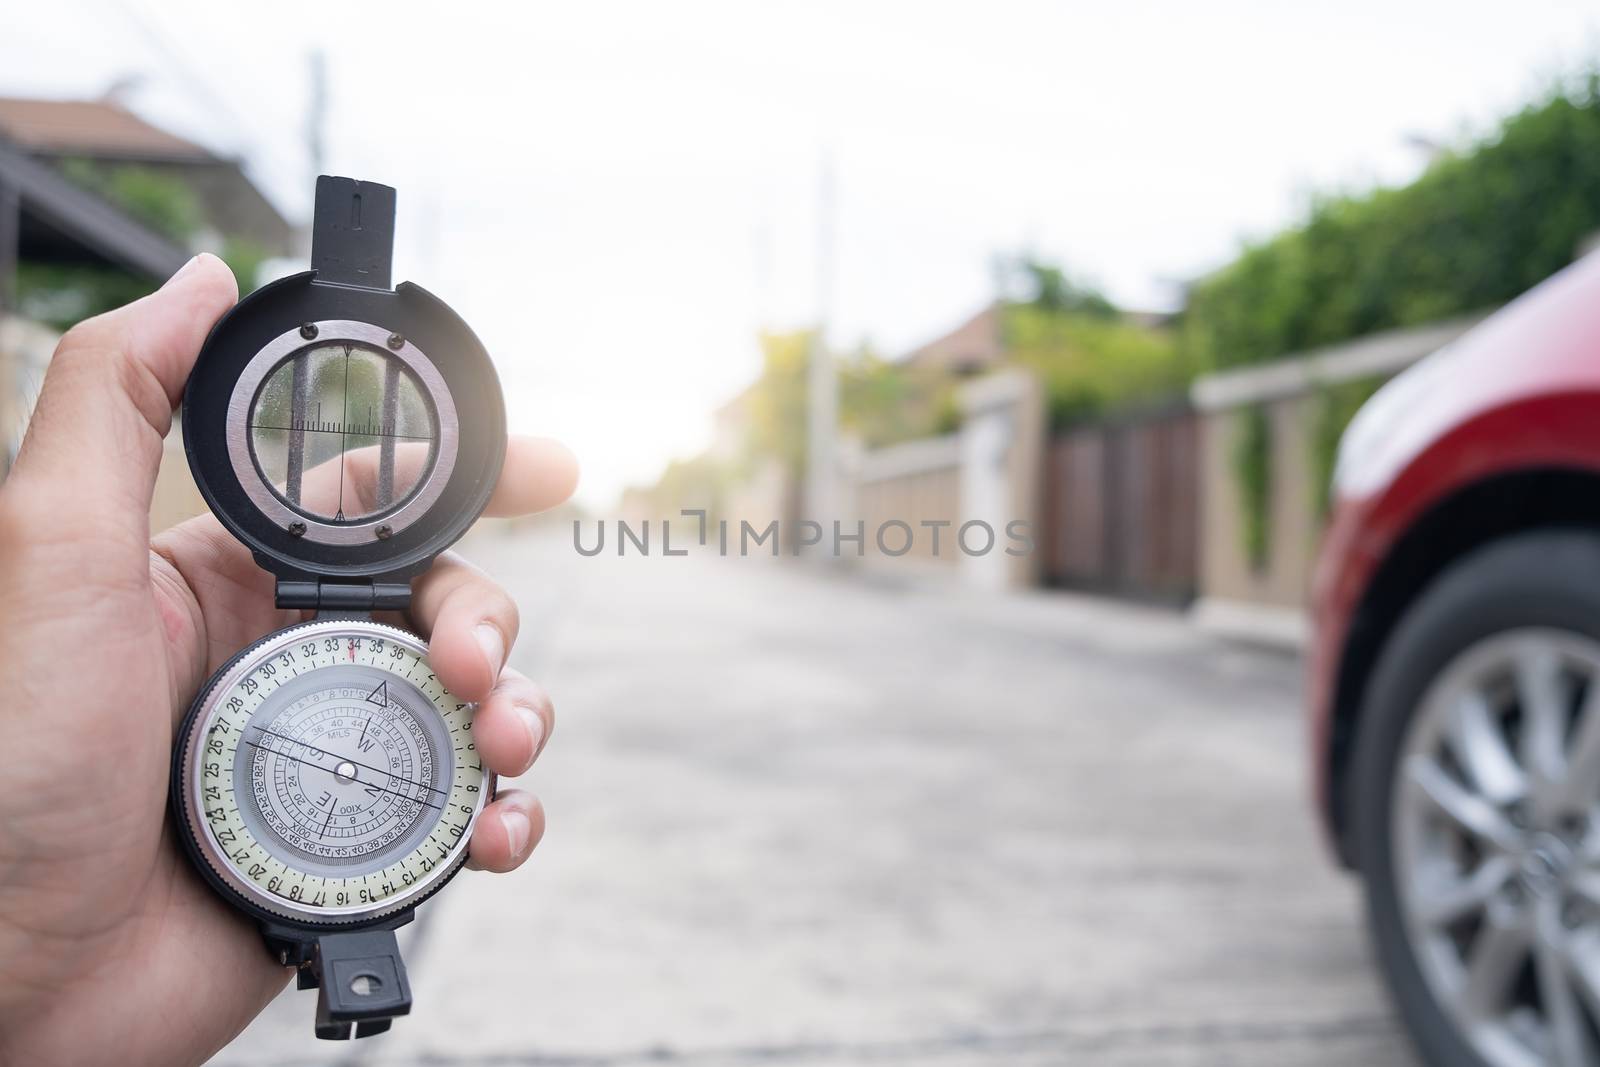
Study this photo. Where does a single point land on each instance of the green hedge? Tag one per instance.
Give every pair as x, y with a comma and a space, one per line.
1252, 467
1093, 363
1475, 230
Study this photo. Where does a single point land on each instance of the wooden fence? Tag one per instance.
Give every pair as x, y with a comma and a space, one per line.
1121, 506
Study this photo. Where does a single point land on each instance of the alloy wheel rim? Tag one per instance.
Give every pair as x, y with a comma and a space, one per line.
1495, 821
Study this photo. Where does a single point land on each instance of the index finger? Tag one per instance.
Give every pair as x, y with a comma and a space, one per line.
539, 473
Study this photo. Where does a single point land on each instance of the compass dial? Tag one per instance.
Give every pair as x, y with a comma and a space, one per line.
329, 776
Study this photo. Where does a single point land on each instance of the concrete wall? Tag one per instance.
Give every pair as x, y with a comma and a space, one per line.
1225, 570
1269, 602
989, 472
1002, 470
913, 482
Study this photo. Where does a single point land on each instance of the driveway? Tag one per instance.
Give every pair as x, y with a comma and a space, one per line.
802, 818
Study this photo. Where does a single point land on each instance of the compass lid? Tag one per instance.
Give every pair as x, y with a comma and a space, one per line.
344, 431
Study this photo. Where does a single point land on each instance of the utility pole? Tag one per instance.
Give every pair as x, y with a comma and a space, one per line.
822, 408
317, 111
316, 121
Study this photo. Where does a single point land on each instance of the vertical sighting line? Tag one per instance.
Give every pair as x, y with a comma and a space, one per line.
339, 514
390, 416
297, 426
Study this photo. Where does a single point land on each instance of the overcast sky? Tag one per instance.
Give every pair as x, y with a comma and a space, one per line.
618, 197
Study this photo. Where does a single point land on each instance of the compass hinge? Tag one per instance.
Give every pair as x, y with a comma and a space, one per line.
344, 596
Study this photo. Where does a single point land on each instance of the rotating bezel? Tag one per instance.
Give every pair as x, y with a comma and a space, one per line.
201, 844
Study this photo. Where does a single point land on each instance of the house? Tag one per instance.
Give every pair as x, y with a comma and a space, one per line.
46, 219
108, 136
90, 199
975, 346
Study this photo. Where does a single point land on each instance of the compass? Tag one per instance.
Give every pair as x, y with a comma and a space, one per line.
325, 782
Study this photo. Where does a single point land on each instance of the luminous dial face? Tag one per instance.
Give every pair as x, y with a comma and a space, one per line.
330, 777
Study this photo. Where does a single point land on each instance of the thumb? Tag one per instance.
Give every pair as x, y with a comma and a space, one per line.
87, 466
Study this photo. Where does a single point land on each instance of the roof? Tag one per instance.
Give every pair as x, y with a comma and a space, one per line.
976, 343
90, 127
85, 218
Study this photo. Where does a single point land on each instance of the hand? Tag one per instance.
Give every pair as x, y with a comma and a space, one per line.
111, 948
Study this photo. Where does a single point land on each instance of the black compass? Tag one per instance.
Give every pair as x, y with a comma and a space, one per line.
325, 782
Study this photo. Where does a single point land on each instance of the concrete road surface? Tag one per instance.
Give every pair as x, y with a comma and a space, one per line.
806, 819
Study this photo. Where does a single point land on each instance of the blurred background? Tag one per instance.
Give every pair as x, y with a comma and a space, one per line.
1123, 274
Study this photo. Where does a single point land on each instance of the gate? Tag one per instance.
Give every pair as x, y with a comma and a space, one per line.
1121, 503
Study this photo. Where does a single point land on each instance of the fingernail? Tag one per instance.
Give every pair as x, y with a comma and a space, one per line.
493, 645
517, 830
535, 725
186, 269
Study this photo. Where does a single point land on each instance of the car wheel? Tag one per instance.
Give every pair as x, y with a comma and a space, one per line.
1476, 805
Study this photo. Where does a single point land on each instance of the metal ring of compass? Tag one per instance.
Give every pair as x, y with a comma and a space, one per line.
404, 356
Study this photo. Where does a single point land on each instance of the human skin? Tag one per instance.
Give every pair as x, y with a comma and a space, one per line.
112, 950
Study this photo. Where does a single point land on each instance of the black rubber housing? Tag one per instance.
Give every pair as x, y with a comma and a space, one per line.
1548, 579
415, 314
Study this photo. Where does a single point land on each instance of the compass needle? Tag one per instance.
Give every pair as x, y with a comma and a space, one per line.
375, 770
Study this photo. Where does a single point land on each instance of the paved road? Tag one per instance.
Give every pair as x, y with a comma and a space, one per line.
807, 820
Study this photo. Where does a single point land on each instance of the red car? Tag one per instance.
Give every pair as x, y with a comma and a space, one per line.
1455, 682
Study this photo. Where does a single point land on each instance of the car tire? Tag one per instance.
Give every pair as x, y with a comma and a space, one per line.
1549, 580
